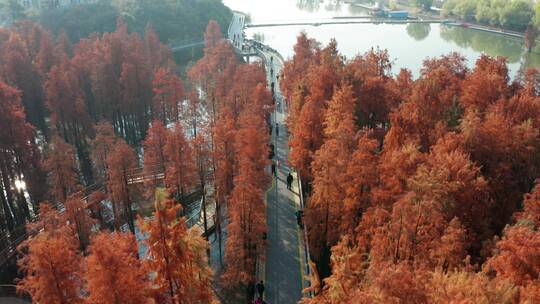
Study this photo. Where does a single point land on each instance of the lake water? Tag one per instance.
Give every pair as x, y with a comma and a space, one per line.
408, 45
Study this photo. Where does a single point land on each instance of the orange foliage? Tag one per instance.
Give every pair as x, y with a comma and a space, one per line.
52, 266
62, 167
120, 162
168, 94
180, 170
114, 274
177, 256
155, 160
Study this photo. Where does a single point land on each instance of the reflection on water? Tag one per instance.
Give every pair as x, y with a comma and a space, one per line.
409, 44
315, 5
418, 31
308, 5
491, 44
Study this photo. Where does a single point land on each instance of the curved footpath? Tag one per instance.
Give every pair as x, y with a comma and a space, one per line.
283, 272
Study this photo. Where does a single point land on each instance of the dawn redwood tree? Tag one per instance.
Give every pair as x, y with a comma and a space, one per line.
295, 69
370, 77
65, 101
247, 222
114, 272
243, 91
79, 218
180, 170
102, 145
49, 220
517, 255
160, 55
361, 177
168, 91
177, 256
20, 160
17, 70
120, 163
212, 36
307, 137
155, 160
487, 84
51, 263
246, 209
329, 169
490, 140
214, 74
95, 207
307, 127
61, 165
202, 158
47, 56
223, 163
432, 108
116, 71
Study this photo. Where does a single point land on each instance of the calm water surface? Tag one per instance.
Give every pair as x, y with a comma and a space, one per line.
408, 45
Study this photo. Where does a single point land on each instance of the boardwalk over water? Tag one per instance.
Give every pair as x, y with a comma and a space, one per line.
349, 21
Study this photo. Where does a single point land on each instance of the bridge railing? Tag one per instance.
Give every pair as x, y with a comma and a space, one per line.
10, 291
10, 241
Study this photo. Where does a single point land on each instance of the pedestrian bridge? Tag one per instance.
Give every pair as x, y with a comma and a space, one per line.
10, 242
185, 44
347, 21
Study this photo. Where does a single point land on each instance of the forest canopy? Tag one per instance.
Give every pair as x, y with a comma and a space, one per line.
418, 190
171, 19
510, 14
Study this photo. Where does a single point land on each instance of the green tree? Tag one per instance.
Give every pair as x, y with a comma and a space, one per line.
516, 15
537, 14
418, 31
13, 9
425, 4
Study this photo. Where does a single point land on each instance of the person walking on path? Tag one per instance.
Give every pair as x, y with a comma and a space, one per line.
289, 181
277, 129
260, 288
273, 168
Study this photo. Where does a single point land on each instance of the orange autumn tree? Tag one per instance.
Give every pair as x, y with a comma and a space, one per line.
517, 254
212, 36
180, 170
51, 263
486, 84
295, 69
177, 256
61, 165
361, 178
66, 102
155, 160
120, 163
223, 158
168, 91
246, 209
114, 273
79, 218
329, 171
306, 124
102, 146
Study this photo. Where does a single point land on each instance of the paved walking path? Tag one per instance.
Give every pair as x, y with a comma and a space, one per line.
283, 271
